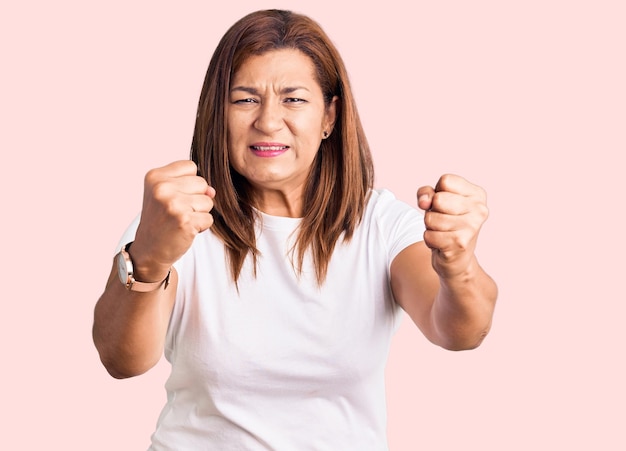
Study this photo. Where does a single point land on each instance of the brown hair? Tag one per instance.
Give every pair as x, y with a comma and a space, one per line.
342, 174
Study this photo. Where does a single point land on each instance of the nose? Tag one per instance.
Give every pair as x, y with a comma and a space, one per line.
269, 118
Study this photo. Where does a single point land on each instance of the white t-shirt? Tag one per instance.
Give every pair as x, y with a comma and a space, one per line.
284, 364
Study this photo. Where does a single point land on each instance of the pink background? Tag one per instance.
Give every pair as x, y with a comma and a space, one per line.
527, 99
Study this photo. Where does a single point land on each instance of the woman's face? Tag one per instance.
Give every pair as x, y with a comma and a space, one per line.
276, 120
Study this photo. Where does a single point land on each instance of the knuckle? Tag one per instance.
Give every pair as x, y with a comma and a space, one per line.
152, 176
160, 190
438, 201
174, 210
445, 181
210, 221
482, 193
460, 242
428, 239
484, 211
184, 223
429, 220
480, 212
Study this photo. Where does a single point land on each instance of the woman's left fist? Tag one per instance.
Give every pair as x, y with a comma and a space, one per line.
455, 210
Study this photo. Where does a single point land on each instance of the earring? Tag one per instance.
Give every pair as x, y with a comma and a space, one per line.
325, 134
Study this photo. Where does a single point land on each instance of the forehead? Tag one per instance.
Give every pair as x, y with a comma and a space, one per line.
281, 67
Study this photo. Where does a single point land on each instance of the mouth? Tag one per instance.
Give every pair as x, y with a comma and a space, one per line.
268, 149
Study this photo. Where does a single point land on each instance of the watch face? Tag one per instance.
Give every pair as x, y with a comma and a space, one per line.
122, 268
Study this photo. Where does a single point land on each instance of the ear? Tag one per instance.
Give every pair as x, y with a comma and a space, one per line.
330, 115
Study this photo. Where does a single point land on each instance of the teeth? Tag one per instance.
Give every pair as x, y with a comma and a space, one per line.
268, 148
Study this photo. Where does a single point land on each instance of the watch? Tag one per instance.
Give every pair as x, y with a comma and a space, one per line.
125, 272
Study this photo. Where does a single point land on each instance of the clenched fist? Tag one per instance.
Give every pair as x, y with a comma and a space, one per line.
176, 207
455, 210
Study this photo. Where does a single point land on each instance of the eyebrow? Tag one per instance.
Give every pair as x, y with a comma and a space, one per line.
254, 91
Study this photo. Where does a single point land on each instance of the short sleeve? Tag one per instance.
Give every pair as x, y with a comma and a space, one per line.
129, 234
399, 223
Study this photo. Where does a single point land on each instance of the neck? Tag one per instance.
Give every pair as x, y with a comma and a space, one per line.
280, 203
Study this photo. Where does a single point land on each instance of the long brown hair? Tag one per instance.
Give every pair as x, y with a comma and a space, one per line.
342, 174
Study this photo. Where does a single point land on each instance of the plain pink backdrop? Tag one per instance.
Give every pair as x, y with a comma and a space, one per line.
527, 99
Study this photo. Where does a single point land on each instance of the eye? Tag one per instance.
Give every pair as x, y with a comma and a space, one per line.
246, 100
294, 100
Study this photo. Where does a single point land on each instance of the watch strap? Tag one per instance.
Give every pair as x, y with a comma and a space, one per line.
145, 287
133, 284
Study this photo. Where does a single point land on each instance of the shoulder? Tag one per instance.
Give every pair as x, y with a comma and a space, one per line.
396, 223
384, 206
381, 196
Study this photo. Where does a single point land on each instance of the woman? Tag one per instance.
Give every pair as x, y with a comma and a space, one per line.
277, 320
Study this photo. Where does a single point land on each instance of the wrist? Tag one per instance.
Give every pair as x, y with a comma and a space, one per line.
131, 280
461, 270
146, 269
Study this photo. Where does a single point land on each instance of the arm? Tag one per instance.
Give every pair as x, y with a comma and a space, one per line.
129, 327
439, 281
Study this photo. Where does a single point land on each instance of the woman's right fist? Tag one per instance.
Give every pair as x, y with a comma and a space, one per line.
176, 207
